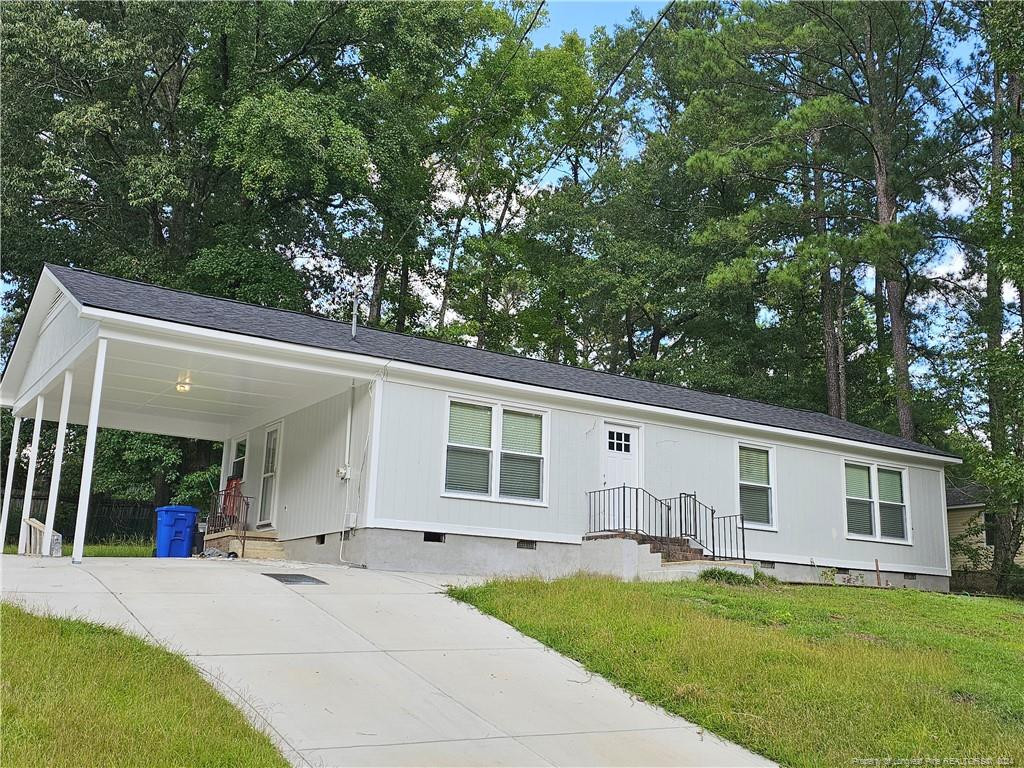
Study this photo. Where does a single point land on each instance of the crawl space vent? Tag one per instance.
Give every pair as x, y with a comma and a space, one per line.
294, 578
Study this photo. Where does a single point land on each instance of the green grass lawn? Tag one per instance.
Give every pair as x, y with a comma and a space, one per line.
805, 675
76, 694
112, 549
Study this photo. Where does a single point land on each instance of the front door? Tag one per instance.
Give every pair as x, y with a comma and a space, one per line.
268, 490
621, 469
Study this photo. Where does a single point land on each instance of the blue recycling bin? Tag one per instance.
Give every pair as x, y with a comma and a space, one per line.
174, 526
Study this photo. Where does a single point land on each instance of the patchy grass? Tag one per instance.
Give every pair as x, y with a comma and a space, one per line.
110, 549
805, 675
75, 693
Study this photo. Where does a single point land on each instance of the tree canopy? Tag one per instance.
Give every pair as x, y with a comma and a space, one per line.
816, 204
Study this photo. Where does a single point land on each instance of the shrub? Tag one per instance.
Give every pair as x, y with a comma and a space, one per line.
725, 576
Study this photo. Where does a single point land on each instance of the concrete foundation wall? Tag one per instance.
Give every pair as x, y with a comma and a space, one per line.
394, 550
308, 550
809, 574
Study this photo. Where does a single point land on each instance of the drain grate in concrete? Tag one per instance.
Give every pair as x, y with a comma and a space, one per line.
294, 578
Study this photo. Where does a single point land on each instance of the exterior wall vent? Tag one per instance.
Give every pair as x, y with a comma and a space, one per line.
55, 305
526, 544
767, 564
910, 576
433, 536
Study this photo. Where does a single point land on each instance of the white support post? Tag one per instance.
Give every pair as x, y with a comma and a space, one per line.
12, 462
58, 462
30, 479
90, 453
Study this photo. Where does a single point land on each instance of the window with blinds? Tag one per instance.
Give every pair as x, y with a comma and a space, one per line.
860, 507
891, 509
755, 485
468, 465
521, 455
473, 466
875, 502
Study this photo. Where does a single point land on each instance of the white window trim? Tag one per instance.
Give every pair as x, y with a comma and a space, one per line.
498, 407
876, 522
231, 456
773, 485
272, 520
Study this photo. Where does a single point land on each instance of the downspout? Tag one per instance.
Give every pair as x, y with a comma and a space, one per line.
347, 468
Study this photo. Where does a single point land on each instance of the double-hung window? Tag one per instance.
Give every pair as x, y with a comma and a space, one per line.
876, 504
495, 452
755, 489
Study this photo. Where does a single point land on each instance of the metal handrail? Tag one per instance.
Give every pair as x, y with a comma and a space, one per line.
628, 509
229, 511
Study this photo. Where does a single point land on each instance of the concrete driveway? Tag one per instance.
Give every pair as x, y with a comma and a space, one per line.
371, 668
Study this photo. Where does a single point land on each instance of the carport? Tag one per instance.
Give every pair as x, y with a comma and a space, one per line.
76, 362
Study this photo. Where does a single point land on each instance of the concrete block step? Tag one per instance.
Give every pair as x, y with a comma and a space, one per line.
258, 546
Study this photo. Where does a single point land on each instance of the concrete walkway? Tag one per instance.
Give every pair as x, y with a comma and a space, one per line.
371, 668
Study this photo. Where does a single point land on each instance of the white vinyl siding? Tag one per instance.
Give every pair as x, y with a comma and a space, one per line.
876, 505
474, 467
755, 487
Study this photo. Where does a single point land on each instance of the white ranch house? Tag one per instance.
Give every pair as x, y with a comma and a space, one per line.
393, 451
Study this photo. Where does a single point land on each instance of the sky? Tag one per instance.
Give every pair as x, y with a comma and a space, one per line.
586, 15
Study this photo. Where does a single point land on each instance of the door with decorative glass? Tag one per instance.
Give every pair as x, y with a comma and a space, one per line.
268, 488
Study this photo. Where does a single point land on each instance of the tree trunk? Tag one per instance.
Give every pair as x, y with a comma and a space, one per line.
835, 368
402, 306
380, 274
992, 308
450, 270
894, 287
889, 279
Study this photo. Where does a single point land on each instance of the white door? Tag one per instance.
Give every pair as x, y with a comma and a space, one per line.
268, 489
621, 469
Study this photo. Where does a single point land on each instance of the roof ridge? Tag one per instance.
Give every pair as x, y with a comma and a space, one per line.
456, 345
715, 404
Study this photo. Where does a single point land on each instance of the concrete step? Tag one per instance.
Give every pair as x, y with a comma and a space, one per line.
259, 545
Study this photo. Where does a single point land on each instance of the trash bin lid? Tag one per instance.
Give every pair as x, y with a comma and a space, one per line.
178, 508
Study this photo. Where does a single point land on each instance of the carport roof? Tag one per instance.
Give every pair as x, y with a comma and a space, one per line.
144, 300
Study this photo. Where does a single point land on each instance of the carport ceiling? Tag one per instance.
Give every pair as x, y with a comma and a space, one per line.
148, 388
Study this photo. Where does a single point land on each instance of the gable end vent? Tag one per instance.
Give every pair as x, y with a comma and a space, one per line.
55, 304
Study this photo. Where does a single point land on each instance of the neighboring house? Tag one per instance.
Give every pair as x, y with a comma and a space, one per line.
970, 524
402, 452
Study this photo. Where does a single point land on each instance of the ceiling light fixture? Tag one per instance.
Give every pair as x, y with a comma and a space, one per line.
184, 383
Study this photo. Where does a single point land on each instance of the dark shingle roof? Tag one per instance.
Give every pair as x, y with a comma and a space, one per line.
969, 494
141, 299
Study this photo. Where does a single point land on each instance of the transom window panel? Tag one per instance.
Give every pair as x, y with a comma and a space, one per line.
512, 468
755, 485
875, 502
619, 441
